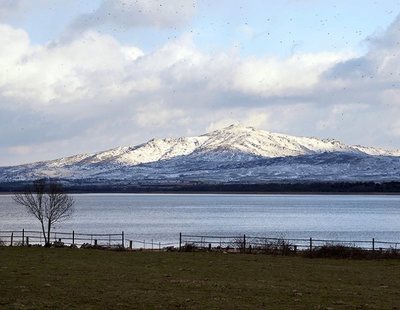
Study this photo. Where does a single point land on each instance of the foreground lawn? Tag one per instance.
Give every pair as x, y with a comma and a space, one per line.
77, 278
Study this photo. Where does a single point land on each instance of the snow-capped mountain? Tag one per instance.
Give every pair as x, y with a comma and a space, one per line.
232, 154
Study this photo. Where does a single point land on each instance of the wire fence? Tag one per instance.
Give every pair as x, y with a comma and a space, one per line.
243, 242
115, 240
235, 243
150, 244
31, 237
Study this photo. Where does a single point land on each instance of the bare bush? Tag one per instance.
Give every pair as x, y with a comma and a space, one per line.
47, 202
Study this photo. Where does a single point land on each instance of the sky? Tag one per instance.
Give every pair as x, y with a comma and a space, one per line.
82, 76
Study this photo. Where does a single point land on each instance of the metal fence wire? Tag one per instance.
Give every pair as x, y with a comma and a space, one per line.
235, 243
240, 242
31, 237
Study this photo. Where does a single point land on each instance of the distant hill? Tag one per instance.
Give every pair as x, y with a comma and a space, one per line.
232, 155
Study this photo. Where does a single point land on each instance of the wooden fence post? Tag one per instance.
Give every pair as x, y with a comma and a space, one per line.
123, 239
73, 237
130, 244
12, 239
95, 242
373, 244
244, 243
180, 241
23, 237
310, 244
27, 241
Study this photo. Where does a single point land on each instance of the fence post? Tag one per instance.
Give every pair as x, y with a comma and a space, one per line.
95, 241
73, 237
27, 241
152, 245
123, 239
23, 237
310, 244
244, 243
373, 244
159, 246
12, 238
180, 241
130, 244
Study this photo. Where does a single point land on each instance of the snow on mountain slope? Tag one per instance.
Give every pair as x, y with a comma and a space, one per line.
237, 138
267, 144
229, 149
161, 149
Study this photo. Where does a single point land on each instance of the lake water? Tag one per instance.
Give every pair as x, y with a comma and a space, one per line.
161, 217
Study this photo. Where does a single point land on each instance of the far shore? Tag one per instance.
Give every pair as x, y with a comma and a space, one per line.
199, 188
231, 193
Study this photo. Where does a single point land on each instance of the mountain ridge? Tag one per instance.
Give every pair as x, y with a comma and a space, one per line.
221, 156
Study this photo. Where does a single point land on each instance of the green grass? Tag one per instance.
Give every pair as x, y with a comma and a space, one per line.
77, 278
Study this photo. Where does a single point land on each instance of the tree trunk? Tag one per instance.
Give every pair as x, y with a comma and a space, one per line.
44, 232
48, 233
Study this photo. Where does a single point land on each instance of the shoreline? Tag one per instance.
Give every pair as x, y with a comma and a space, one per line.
216, 193
295, 188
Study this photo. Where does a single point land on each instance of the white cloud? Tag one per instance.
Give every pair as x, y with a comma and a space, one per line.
56, 73
71, 72
292, 76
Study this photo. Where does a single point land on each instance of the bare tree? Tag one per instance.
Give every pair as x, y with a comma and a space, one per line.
48, 202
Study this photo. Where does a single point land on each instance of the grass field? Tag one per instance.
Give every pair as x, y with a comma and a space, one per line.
77, 278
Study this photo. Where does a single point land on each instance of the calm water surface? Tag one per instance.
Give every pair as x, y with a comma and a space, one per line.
162, 217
